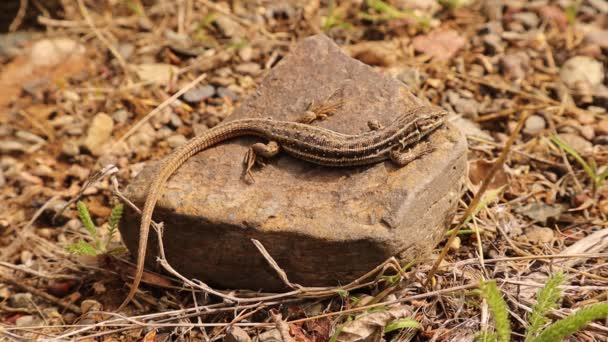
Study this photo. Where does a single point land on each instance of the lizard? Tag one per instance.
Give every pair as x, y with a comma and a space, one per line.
317, 145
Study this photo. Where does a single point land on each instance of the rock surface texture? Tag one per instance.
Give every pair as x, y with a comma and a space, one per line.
324, 226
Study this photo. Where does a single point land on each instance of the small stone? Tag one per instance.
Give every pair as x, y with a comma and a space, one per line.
2, 179
30, 137
27, 321
199, 94
493, 44
455, 245
539, 235
70, 148
582, 69
228, 27
579, 144
99, 132
125, 50
440, 44
156, 72
21, 300
515, 65
248, 68
121, 115
534, 125
176, 140
600, 5
90, 305
8, 146
51, 52
236, 334
175, 120
587, 132
144, 23
529, 19
599, 37
246, 53
596, 109
226, 92
601, 128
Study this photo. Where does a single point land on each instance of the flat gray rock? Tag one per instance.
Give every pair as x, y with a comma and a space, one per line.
324, 226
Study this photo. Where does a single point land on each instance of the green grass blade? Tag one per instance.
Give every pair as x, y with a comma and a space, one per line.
568, 149
115, 216
401, 324
573, 323
547, 299
499, 310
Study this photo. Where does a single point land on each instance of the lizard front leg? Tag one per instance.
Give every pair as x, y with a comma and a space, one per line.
404, 157
268, 150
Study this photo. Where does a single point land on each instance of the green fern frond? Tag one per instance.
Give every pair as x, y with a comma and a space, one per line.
573, 323
486, 336
499, 310
85, 218
81, 248
115, 216
547, 299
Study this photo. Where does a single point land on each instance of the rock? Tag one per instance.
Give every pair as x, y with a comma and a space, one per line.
27, 321
600, 5
246, 53
99, 132
70, 148
236, 334
601, 128
226, 92
199, 94
121, 116
441, 44
176, 140
250, 68
529, 19
515, 65
322, 225
156, 72
578, 143
49, 52
493, 44
534, 125
539, 235
228, 27
599, 37
582, 69
21, 300
90, 305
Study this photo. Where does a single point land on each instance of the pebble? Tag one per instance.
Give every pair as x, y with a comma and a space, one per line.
99, 132
599, 37
246, 53
455, 245
51, 52
539, 235
515, 65
121, 115
125, 50
90, 305
534, 125
529, 19
175, 120
27, 321
21, 300
582, 69
587, 132
156, 72
248, 68
493, 44
579, 144
199, 94
2, 179
225, 92
176, 140
8, 146
601, 128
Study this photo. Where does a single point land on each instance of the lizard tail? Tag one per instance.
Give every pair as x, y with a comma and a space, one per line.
174, 161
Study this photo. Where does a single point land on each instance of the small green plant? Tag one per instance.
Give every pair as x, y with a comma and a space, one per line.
453, 4
537, 331
384, 12
595, 174
335, 17
571, 11
97, 246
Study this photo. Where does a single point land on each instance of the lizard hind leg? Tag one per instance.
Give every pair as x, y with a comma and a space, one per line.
404, 157
256, 150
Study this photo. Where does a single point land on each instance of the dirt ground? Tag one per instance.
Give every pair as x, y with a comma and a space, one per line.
83, 85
